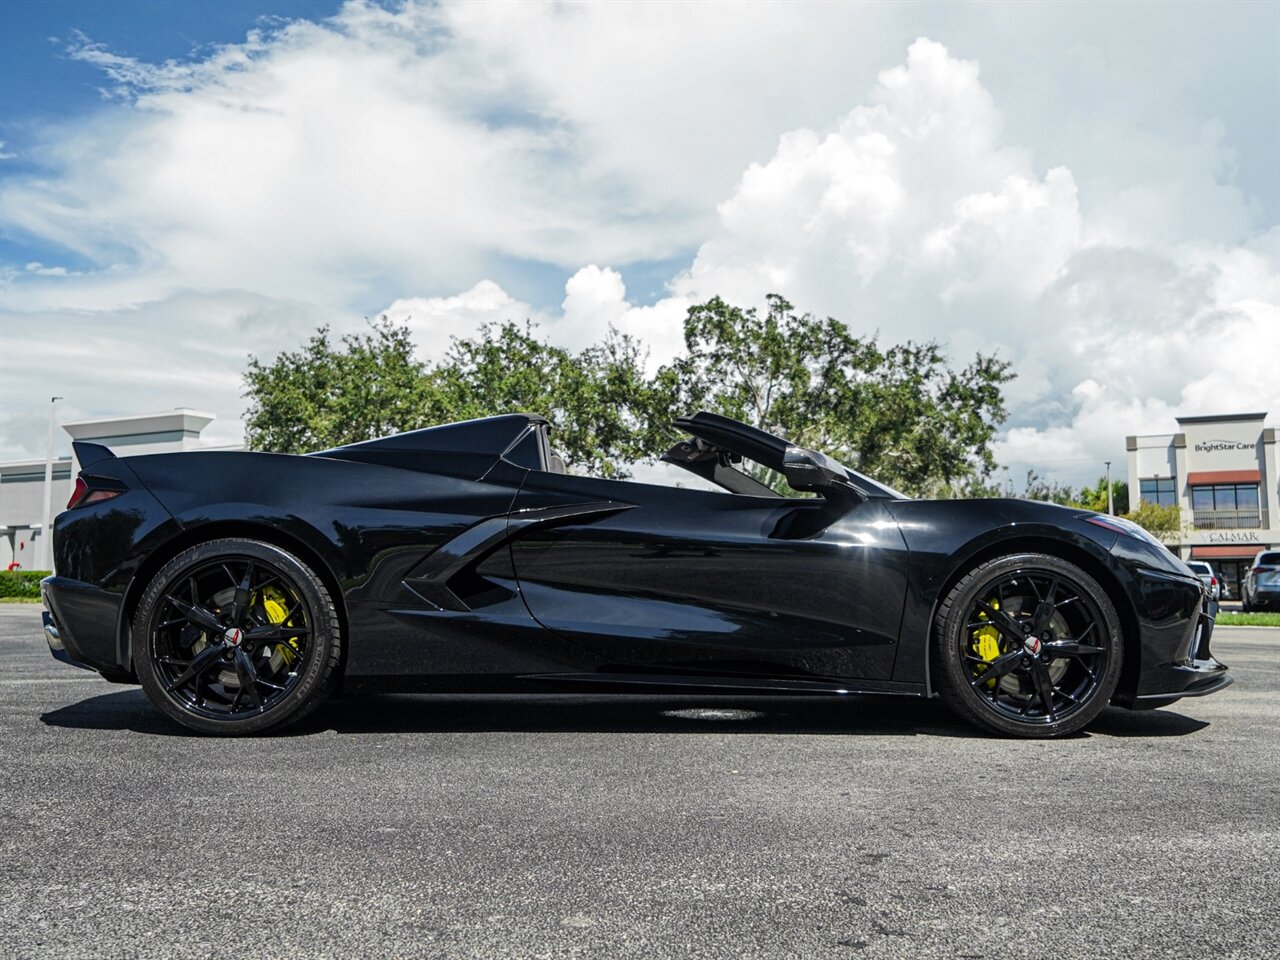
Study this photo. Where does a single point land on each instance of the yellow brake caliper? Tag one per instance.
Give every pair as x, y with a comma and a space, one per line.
276, 604
986, 643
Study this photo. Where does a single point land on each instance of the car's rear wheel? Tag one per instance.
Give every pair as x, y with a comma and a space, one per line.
1027, 645
236, 636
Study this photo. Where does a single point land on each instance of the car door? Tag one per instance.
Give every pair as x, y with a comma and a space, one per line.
664, 579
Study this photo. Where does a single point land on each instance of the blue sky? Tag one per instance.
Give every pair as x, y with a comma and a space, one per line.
1087, 188
38, 82
41, 86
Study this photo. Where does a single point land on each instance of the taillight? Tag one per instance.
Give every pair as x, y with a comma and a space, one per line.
1263, 569
85, 494
1213, 581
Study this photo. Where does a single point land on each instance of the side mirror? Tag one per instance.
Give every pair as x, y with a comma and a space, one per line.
810, 470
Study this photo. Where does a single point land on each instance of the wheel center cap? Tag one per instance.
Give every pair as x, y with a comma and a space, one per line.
1032, 645
233, 637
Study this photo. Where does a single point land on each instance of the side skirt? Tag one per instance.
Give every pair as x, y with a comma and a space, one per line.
620, 684
727, 684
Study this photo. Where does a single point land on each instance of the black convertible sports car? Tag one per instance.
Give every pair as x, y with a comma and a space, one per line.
241, 588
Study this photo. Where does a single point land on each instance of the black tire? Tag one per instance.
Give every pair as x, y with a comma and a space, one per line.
278, 653
1064, 666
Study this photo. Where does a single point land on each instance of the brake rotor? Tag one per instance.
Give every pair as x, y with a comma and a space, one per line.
269, 605
988, 643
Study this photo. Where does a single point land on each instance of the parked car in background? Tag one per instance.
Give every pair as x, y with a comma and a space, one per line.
1261, 589
1205, 573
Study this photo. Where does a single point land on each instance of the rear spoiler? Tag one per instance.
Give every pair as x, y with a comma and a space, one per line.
88, 454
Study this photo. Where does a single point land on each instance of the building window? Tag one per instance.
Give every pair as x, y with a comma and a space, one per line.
1163, 492
1226, 506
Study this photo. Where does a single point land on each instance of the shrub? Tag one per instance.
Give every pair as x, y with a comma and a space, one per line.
21, 583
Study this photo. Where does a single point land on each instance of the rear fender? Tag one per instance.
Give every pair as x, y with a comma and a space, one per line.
283, 530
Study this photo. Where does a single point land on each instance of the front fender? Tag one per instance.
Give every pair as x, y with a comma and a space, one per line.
945, 539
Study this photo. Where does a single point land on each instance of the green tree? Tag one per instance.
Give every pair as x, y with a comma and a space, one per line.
1050, 491
975, 487
327, 394
604, 412
1162, 522
900, 413
1095, 497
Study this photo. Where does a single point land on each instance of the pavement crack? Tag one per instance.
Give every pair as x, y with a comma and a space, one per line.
886, 931
854, 944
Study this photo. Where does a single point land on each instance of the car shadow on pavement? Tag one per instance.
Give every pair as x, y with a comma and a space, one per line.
463, 713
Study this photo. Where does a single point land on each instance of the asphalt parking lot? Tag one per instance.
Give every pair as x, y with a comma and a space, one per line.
583, 827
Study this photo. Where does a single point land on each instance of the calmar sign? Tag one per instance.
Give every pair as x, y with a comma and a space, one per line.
1234, 536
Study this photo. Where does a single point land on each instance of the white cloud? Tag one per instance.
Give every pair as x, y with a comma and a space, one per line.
911, 216
912, 195
330, 161
435, 320
595, 301
38, 268
188, 349
1080, 212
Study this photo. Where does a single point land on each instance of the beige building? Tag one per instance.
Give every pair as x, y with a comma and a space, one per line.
1221, 474
22, 481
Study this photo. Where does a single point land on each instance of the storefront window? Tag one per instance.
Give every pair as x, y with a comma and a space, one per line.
1164, 492
1226, 506
1230, 573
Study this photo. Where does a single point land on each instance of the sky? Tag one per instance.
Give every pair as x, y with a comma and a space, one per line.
1089, 190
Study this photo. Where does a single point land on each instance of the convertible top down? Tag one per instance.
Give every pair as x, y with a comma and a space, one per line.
240, 588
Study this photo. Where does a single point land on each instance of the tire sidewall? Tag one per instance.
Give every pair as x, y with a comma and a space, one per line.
951, 625
324, 636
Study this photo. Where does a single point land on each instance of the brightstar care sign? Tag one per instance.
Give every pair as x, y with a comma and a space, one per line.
1217, 446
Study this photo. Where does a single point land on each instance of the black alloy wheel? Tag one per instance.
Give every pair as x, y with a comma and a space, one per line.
1027, 645
236, 636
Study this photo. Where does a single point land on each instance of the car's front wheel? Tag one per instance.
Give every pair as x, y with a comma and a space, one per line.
236, 636
1027, 645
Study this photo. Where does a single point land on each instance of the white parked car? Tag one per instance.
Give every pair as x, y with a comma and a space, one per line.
1205, 573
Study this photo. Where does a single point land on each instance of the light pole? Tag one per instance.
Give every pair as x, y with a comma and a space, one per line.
1111, 504
43, 555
